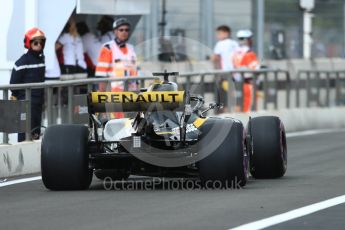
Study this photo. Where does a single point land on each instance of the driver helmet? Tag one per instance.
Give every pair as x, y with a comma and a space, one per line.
164, 86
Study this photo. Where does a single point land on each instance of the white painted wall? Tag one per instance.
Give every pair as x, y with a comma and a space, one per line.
114, 7
52, 17
6, 11
18, 16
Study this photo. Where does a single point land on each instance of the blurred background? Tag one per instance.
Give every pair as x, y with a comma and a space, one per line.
300, 43
277, 24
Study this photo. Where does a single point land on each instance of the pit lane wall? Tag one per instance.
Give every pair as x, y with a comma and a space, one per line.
24, 158
20, 159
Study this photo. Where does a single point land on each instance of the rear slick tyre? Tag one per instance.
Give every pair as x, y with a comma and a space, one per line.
227, 166
64, 158
268, 159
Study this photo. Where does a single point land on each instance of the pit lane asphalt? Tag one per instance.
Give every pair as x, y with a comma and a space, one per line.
315, 173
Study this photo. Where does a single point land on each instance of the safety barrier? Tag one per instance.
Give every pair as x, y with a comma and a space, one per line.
323, 88
274, 89
54, 91
267, 81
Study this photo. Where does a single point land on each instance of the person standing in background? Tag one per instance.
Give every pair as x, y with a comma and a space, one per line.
105, 27
118, 59
221, 58
91, 46
224, 48
245, 58
30, 68
72, 50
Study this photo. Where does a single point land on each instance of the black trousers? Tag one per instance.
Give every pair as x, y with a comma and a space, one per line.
36, 119
71, 69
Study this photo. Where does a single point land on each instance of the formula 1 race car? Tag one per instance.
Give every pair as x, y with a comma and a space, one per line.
167, 136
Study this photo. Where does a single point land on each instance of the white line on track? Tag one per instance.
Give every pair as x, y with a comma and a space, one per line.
19, 181
313, 132
296, 213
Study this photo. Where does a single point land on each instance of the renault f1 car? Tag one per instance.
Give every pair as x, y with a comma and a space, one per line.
168, 135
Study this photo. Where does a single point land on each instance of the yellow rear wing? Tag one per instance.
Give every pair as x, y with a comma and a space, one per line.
136, 102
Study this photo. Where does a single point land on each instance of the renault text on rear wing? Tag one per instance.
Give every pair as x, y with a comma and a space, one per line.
135, 102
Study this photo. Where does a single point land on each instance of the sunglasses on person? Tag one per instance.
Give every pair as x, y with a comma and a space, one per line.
37, 42
123, 30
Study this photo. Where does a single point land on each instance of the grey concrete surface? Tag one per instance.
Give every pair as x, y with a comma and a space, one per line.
325, 219
315, 173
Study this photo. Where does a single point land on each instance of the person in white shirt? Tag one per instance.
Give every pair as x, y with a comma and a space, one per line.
222, 59
224, 49
72, 49
92, 47
105, 27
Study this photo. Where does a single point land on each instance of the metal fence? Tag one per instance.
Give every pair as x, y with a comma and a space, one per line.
273, 89
54, 92
266, 81
322, 88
